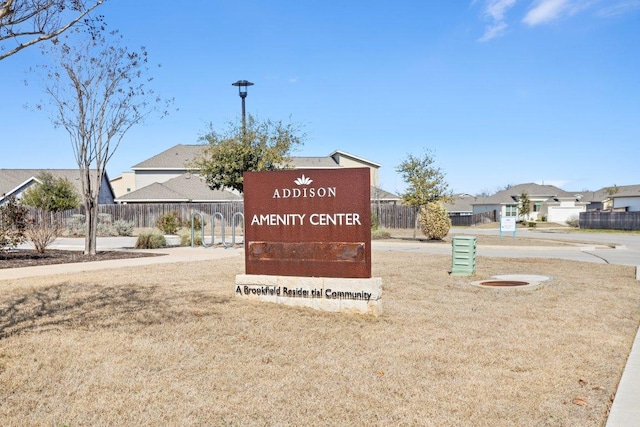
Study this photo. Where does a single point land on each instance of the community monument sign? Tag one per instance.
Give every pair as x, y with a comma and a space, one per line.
308, 239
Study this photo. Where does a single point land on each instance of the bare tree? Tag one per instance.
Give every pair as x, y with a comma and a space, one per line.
98, 91
24, 23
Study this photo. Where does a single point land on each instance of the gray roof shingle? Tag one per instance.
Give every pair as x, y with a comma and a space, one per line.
313, 162
184, 188
511, 194
12, 179
461, 203
177, 157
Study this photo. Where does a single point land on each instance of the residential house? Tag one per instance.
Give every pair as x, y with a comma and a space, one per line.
123, 184
461, 205
546, 201
617, 197
13, 182
626, 199
175, 170
184, 188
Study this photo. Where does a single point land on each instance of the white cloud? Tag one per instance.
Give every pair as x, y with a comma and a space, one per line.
544, 11
495, 11
493, 31
620, 8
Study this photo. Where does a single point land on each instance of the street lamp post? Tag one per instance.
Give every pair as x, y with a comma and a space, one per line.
242, 91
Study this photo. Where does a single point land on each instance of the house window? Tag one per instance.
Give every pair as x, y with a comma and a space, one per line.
537, 206
511, 210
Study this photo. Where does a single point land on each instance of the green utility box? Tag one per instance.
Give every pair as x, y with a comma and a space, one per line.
463, 259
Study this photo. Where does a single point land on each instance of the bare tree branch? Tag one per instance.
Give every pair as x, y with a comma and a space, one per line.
97, 91
28, 22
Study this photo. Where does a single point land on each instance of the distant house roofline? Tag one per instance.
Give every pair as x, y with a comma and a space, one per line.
358, 158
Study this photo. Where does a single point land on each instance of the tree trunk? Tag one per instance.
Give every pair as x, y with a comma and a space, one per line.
91, 222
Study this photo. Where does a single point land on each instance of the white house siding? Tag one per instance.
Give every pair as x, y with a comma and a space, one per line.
24, 187
631, 203
560, 213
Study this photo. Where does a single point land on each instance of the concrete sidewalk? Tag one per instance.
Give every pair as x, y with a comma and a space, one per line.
625, 411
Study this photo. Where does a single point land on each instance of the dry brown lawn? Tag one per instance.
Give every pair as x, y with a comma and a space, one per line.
170, 345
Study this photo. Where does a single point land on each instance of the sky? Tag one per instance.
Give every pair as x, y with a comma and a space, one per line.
498, 92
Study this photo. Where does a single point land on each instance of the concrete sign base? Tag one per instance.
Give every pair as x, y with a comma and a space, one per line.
359, 295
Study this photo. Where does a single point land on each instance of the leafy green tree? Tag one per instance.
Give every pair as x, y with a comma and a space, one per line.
258, 146
48, 196
425, 182
524, 206
51, 194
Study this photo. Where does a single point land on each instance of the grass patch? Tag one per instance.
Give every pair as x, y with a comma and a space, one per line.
170, 345
600, 231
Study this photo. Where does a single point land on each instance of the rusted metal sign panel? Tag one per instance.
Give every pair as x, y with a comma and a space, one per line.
311, 222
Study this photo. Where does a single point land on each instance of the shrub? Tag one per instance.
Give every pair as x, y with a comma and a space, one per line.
76, 225
380, 233
42, 233
573, 221
123, 228
185, 237
150, 239
197, 223
13, 223
375, 222
434, 221
169, 222
106, 229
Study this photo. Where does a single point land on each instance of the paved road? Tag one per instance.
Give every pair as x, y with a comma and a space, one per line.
610, 248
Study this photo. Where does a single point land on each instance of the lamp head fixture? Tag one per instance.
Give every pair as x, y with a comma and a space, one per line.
242, 87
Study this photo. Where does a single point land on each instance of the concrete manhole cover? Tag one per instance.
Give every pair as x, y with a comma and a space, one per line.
503, 283
513, 281
522, 277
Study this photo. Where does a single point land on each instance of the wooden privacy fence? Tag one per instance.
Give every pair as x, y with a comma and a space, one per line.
402, 216
394, 216
469, 220
629, 221
145, 215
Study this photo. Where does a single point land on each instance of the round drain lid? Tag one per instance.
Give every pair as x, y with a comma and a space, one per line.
503, 283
